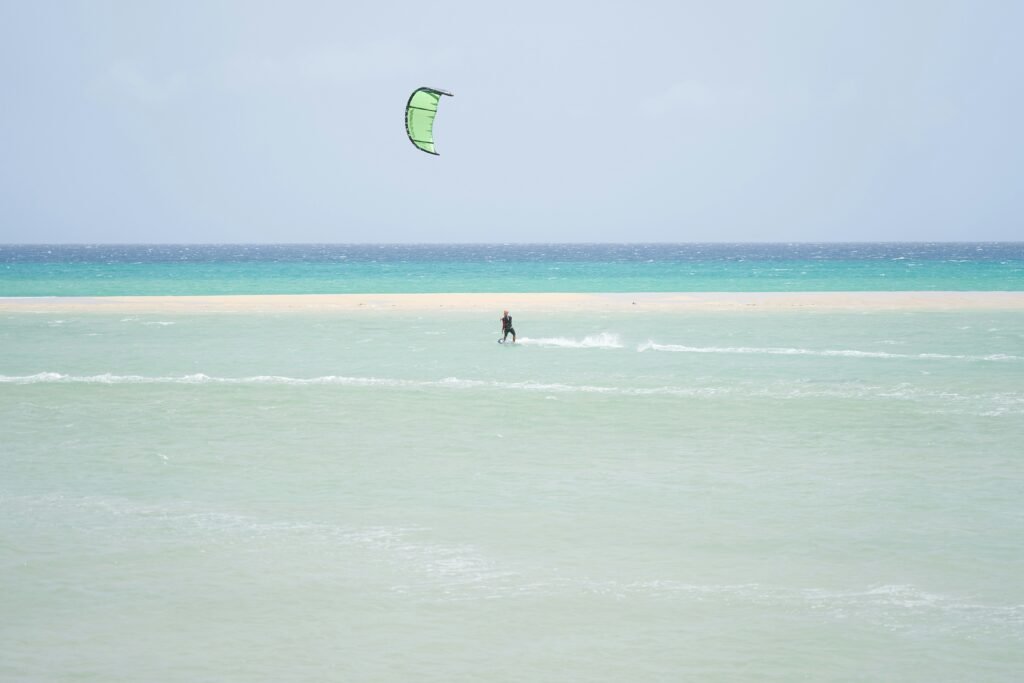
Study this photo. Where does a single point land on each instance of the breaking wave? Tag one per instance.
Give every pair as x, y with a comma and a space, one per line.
989, 404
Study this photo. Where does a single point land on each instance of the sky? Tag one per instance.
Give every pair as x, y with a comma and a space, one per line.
252, 121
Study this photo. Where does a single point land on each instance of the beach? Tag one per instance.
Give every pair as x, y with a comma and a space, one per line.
487, 303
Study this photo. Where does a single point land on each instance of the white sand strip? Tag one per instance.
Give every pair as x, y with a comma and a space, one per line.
540, 302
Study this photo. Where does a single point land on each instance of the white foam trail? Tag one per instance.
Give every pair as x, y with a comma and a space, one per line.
841, 353
605, 340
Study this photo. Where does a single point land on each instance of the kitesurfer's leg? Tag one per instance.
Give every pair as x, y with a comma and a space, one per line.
513, 331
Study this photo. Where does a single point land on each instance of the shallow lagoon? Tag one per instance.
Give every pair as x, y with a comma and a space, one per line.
388, 495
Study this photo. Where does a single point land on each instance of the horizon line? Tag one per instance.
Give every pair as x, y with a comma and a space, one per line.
490, 244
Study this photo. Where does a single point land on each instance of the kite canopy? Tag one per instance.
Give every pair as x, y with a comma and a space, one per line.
419, 117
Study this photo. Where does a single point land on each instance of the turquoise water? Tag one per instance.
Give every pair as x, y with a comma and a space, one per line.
106, 270
393, 496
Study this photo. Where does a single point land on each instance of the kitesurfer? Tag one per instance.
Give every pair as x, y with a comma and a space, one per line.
506, 328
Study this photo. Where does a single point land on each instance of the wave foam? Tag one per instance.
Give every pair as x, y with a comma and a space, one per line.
408, 548
840, 353
200, 378
441, 571
989, 404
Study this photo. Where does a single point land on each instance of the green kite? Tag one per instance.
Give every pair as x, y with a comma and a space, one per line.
419, 117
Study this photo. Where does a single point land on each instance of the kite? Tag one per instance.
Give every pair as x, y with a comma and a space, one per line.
419, 117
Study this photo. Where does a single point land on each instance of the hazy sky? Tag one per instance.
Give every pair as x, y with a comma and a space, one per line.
573, 121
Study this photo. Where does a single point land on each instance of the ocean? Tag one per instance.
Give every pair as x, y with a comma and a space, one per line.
389, 495
120, 270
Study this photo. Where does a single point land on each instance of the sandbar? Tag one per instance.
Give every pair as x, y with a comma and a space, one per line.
666, 302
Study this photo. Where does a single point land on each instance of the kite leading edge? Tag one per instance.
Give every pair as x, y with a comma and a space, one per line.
420, 111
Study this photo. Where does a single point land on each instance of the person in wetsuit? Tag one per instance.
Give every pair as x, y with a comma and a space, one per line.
506, 328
